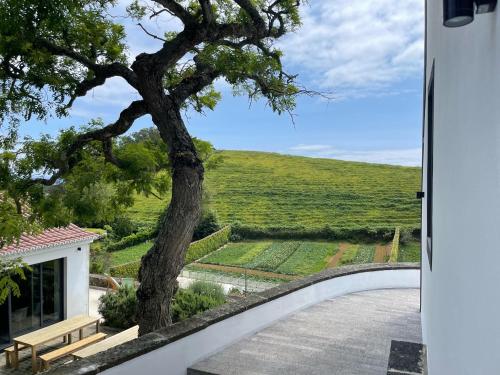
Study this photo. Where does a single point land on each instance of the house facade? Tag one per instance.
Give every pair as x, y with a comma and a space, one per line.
57, 288
461, 183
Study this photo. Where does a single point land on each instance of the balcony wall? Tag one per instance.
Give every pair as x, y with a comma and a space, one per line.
180, 346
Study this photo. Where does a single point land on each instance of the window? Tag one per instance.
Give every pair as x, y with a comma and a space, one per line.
430, 164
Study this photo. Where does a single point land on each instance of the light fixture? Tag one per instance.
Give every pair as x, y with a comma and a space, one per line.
458, 13
485, 6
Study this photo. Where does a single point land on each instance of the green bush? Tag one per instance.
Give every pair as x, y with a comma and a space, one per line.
204, 288
123, 227
126, 270
207, 225
207, 245
119, 309
189, 302
353, 234
395, 246
99, 258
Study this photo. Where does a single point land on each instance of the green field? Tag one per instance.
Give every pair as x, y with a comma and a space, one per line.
409, 252
130, 254
288, 257
265, 189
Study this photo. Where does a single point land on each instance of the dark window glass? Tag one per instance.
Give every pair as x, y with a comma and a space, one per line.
26, 309
430, 164
52, 291
4, 323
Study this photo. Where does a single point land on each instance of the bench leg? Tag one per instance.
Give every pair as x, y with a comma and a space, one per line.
34, 365
45, 365
15, 358
7, 359
70, 338
81, 333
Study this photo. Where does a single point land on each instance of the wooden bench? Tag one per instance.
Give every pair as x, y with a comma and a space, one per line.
69, 349
110, 342
9, 352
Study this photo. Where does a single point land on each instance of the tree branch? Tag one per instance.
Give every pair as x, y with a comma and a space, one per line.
126, 119
252, 11
106, 71
206, 9
177, 10
202, 77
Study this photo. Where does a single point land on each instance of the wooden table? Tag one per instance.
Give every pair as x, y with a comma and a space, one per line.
58, 330
111, 342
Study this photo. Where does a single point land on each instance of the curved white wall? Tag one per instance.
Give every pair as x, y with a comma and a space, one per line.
460, 297
175, 358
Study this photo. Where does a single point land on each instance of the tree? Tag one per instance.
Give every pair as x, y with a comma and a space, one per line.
55, 52
9, 271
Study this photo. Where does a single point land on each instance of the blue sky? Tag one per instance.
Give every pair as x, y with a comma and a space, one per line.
367, 53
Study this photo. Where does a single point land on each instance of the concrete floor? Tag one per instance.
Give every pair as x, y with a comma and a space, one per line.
348, 335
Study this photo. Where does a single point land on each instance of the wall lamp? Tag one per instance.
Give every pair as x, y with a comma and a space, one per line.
458, 13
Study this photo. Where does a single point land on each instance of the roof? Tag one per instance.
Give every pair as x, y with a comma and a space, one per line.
49, 238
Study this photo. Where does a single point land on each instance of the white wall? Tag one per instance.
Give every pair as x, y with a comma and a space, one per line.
460, 297
76, 268
181, 354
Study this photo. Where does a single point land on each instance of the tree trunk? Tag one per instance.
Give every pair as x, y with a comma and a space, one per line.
161, 266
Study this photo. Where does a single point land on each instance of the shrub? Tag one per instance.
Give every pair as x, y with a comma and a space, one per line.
207, 225
395, 246
123, 227
99, 258
187, 303
354, 234
208, 245
126, 270
406, 236
204, 288
119, 309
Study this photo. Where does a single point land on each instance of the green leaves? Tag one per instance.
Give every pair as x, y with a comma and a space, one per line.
10, 270
45, 47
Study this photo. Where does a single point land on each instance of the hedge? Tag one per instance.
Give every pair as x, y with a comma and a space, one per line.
355, 234
395, 246
197, 250
207, 245
133, 239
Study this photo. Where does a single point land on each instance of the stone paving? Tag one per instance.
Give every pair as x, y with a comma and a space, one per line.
348, 335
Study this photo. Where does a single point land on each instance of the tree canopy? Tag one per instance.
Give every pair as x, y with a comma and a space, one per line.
54, 52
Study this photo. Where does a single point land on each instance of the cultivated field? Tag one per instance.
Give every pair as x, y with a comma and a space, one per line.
264, 189
298, 258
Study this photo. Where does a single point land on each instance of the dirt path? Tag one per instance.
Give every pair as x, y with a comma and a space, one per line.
381, 253
334, 260
240, 270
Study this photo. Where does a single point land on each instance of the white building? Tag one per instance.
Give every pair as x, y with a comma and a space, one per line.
461, 207
58, 286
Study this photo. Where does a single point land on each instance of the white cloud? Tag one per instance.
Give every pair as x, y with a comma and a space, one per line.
358, 47
408, 157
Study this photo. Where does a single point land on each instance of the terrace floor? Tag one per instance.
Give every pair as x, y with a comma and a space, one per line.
348, 335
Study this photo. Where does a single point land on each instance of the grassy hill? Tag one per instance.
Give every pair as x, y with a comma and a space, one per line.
272, 190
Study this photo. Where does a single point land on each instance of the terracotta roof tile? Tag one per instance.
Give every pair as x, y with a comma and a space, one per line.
48, 238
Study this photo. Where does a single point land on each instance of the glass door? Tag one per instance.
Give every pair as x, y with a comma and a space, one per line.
4, 323
52, 291
26, 309
40, 303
